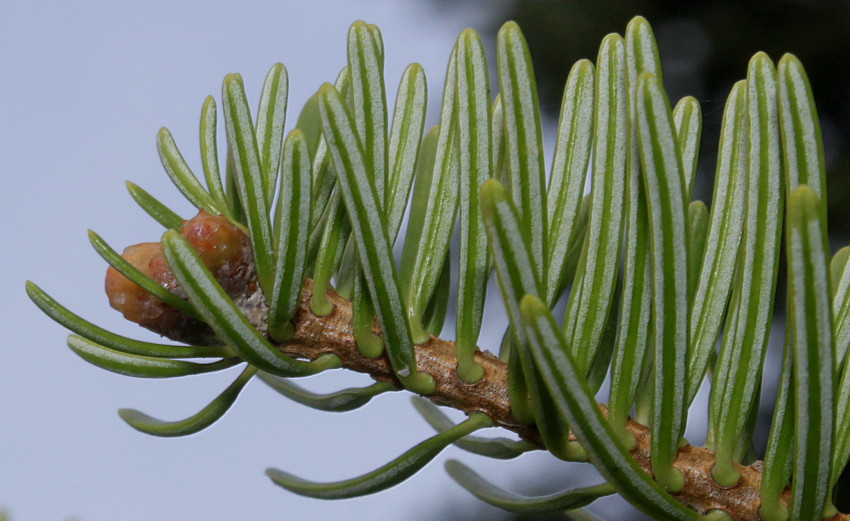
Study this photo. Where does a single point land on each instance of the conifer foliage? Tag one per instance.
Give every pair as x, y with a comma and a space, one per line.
288, 270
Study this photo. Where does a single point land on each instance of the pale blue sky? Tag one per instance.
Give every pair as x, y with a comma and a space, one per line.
85, 86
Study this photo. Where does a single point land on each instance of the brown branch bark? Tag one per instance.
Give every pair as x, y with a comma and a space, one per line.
315, 336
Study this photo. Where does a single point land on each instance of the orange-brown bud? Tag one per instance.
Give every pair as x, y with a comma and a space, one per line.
223, 248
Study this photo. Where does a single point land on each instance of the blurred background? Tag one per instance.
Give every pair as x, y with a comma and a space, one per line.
85, 87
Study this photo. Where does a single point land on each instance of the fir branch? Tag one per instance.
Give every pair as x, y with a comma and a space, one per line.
332, 334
